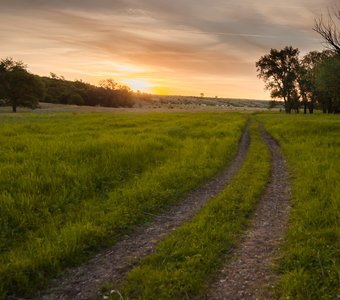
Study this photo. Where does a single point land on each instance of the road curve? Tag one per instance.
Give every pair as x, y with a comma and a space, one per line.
248, 274
111, 265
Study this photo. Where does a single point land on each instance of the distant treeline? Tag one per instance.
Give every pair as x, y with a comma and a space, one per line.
109, 93
18, 87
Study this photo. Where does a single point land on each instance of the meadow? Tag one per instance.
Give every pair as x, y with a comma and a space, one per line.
308, 266
310, 260
184, 261
71, 184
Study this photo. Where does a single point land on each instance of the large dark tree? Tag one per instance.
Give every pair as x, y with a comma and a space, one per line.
279, 70
328, 29
328, 82
307, 81
17, 86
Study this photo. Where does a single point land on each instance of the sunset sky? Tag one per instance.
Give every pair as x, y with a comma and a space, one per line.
182, 47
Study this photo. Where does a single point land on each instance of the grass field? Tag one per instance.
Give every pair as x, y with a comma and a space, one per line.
310, 262
72, 184
185, 260
70, 181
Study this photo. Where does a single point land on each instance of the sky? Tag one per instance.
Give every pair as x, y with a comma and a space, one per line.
178, 47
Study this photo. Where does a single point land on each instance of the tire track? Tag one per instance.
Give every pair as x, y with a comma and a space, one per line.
111, 265
249, 274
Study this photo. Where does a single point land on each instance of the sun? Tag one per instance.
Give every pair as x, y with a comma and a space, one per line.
139, 85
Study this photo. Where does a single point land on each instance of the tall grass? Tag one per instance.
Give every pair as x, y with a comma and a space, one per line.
73, 183
310, 263
184, 261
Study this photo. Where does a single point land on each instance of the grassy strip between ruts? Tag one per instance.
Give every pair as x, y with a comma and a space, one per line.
184, 261
70, 184
310, 262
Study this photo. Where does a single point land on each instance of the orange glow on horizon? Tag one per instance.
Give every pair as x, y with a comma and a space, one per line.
159, 91
154, 48
139, 85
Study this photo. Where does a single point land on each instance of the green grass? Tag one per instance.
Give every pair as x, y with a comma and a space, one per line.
310, 263
185, 260
71, 184
70, 181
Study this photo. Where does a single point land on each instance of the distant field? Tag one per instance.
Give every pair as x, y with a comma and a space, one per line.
227, 104
70, 181
163, 104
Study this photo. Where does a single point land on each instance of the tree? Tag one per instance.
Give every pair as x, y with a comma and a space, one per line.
305, 87
108, 84
116, 95
329, 31
328, 81
279, 70
17, 86
306, 78
75, 99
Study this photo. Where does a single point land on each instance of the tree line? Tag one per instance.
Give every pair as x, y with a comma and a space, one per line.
109, 93
18, 87
310, 81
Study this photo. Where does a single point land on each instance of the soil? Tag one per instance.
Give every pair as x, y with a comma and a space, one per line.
85, 281
249, 273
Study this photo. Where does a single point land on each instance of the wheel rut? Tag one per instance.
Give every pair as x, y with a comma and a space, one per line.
249, 274
111, 265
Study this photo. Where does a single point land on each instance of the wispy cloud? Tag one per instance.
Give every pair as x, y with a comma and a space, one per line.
171, 43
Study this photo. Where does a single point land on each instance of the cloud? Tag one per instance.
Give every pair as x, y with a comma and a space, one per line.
155, 38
